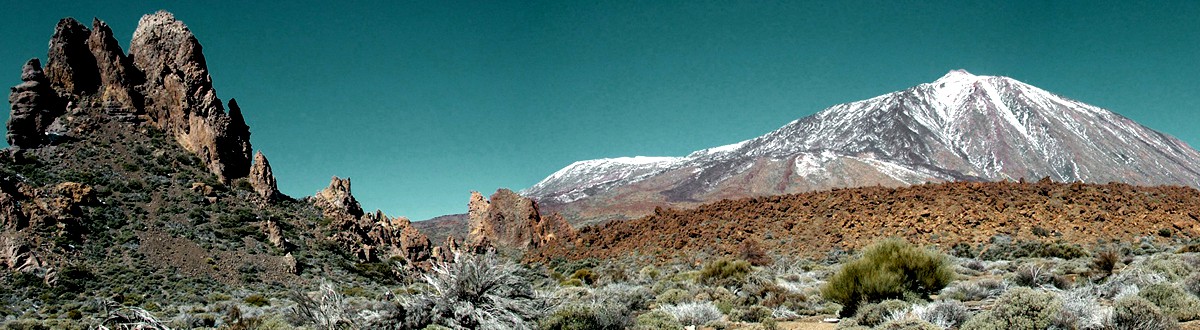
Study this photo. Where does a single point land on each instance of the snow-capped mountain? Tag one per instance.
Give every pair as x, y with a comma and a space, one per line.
959, 127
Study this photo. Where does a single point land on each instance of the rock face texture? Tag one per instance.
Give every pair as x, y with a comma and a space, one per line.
509, 221
70, 65
180, 99
373, 236
165, 78
26, 212
262, 179
118, 75
35, 105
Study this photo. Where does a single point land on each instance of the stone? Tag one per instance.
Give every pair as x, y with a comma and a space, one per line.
35, 105
509, 221
370, 236
180, 100
70, 65
117, 74
262, 179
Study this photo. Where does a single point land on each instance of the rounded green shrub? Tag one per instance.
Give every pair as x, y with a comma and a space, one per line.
725, 271
657, 320
1134, 312
1173, 301
889, 269
1019, 308
752, 314
579, 317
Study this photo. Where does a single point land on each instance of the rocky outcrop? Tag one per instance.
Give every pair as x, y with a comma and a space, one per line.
336, 201
262, 179
164, 77
510, 221
70, 65
35, 105
179, 97
118, 77
373, 236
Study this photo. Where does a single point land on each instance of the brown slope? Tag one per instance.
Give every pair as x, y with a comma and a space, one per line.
813, 223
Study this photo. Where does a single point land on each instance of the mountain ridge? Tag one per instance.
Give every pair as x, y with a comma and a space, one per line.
960, 127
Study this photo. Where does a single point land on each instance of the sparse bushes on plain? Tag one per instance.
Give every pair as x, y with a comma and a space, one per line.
888, 270
975, 290
1136, 313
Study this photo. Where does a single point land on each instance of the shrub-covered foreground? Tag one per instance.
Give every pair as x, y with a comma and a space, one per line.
895, 285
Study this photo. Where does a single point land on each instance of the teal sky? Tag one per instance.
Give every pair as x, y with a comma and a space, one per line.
421, 102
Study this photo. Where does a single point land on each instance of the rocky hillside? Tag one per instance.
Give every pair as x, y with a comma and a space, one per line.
945, 214
959, 127
128, 179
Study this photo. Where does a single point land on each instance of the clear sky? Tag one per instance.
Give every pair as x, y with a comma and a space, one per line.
421, 102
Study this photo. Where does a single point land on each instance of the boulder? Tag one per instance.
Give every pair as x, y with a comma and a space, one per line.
512, 222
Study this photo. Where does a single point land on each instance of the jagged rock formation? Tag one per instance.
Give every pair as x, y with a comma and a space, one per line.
370, 237
26, 211
35, 105
509, 221
262, 179
180, 99
118, 77
165, 77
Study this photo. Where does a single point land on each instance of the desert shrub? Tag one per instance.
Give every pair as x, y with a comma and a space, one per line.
875, 314
1172, 301
985, 320
1030, 275
674, 296
1134, 312
725, 272
1020, 308
752, 314
974, 290
946, 314
649, 273
1129, 280
656, 320
887, 270
130, 318
585, 275
1106, 260
586, 317
1081, 309
256, 300
697, 313
752, 251
328, 310
1192, 284
1174, 269
908, 324
473, 292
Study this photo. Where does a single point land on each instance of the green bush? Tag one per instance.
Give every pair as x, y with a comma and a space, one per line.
585, 275
256, 300
1173, 301
657, 320
875, 314
888, 269
580, 317
1134, 312
1019, 308
725, 271
752, 314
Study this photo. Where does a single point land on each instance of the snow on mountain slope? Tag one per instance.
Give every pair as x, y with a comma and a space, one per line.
959, 127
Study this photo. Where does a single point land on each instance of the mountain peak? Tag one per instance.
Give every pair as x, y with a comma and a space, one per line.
957, 74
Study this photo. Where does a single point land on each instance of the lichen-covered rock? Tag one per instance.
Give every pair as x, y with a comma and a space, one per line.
510, 221
262, 179
179, 97
70, 65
